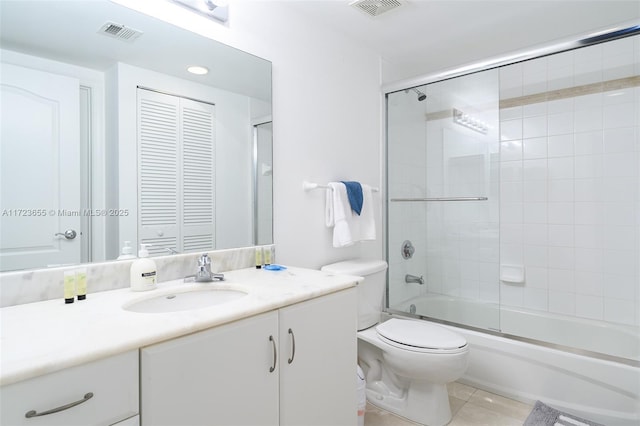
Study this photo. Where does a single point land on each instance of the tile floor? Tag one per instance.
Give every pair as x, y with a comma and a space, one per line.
469, 406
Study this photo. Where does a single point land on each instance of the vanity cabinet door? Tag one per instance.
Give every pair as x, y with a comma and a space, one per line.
318, 371
221, 376
112, 384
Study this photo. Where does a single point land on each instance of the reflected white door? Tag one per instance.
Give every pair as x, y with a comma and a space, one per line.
39, 169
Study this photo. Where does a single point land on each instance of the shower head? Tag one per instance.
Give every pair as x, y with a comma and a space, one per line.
421, 96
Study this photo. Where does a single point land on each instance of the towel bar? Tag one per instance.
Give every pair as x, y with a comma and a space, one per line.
308, 186
442, 199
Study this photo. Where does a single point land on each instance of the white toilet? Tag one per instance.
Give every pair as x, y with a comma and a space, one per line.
407, 363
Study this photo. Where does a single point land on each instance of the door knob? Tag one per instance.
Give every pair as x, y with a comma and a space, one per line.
69, 234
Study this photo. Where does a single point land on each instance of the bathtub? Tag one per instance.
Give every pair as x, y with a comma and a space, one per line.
600, 388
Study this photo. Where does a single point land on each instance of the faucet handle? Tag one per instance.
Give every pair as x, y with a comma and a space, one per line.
204, 260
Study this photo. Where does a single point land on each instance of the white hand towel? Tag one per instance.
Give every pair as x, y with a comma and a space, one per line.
348, 227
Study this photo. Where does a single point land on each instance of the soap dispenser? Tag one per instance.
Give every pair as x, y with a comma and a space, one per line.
127, 251
143, 271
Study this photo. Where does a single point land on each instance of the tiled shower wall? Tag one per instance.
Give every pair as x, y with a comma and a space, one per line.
570, 182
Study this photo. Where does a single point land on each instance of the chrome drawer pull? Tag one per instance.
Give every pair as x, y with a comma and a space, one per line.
275, 354
34, 413
293, 341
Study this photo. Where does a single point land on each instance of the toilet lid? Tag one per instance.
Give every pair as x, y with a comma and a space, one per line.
420, 334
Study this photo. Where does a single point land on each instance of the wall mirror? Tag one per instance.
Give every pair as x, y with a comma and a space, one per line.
106, 137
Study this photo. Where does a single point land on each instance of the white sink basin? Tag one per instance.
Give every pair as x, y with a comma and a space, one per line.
184, 300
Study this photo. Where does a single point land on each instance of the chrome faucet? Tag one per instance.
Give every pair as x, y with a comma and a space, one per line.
413, 279
204, 274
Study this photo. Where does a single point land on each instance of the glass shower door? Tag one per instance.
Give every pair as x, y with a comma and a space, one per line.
443, 209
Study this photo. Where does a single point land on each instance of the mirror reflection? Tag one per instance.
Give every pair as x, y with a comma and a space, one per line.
107, 137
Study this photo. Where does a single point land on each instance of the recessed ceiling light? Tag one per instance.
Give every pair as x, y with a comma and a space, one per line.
196, 69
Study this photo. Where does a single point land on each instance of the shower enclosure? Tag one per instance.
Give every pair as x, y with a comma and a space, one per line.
514, 200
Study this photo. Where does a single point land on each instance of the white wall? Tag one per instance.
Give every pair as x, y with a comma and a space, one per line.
327, 121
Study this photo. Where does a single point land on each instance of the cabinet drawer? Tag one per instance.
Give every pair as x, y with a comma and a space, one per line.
113, 382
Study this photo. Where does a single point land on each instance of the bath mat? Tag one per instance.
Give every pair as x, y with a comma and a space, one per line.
543, 415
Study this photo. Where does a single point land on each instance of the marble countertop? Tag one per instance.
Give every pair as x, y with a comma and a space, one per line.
43, 337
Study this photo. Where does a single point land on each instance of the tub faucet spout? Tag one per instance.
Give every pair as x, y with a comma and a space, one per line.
413, 279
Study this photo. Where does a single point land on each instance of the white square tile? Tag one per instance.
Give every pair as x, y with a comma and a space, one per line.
561, 168
535, 169
560, 124
589, 236
535, 213
560, 78
535, 256
561, 257
511, 295
536, 277
619, 311
534, 127
619, 115
619, 140
590, 189
532, 110
562, 302
560, 145
621, 237
589, 283
511, 192
560, 105
511, 171
534, 148
588, 120
560, 235
510, 113
560, 213
588, 166
560, 190
511, 130
591, 101
621, 263
535, 234
620, 286
622, 214
511, 233
535, 191
511, 150
589, 213
620, 165
511, 213
511, 254
588, 143
589, 260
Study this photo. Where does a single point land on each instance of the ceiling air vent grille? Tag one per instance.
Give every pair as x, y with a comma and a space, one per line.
375, 7
119, 31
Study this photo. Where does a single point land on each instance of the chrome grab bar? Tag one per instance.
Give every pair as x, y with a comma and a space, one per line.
442, 199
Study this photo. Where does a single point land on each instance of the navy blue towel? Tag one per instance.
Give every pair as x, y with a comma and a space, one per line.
354, 193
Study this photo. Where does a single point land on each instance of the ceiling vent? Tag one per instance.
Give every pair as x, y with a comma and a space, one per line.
376, 7
119, 31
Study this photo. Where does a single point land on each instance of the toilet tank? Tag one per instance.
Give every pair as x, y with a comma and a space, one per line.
370, 291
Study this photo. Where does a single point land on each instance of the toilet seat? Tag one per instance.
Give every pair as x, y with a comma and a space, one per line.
420, 336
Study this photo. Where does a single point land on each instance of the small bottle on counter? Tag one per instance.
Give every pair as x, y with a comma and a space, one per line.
258, 257
143, 271
127, 251
81, 283
69, 286
267, 256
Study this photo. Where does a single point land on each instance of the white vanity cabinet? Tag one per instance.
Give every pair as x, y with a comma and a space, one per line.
257, 372
102, 392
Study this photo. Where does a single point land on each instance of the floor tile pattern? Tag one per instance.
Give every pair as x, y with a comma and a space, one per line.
469, 406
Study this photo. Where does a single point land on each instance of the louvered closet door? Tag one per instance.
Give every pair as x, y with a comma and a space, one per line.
176, 153
198, 177
158, 174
